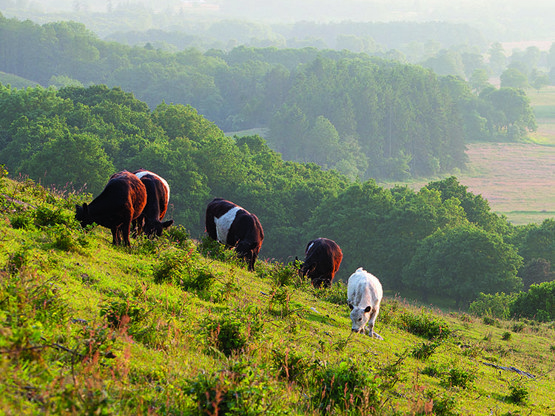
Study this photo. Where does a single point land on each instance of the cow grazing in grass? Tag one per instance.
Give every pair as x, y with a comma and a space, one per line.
323, 258
157, 199
364, 294
122, 200
234, 226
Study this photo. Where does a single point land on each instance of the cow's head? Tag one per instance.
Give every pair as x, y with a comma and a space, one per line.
248, 252
359, 317
152, 228
306, 270
82, 215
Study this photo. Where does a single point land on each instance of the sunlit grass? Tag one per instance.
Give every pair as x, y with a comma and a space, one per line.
60, 350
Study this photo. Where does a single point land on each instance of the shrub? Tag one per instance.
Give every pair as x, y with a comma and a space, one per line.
46, 216
506, 336
459, 378
490, 321
290, 365
432, 371
346, 386
217, 251
232, 332
337, 293
122, 312
444, 405
519, 327
184, 269
22, 220
538, 302
238, 390
518, 394
424, 325
424, 351
492, 306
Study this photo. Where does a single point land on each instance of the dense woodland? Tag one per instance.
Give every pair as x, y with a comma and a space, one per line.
419, 243
371, 117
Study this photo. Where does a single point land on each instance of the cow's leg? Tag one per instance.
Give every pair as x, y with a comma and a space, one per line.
115, 235
125, 228
371, 322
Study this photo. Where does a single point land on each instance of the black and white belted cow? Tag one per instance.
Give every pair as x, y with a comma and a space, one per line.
234, 226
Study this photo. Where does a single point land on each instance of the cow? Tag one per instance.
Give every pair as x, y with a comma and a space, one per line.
122, 200
364, 294
234, 226
157, 199
322, 260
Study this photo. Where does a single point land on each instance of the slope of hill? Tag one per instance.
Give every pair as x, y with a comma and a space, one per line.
176, 326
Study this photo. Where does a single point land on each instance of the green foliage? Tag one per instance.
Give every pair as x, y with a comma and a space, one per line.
518, 394
460, 378
91, 330
231, 333
291, 365
346, 386
183, 268
425, 325
238, 390
492, 305
538, 302
425, 350
463, 261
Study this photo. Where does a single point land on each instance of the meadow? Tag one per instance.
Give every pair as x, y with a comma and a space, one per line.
518, 179
176, 326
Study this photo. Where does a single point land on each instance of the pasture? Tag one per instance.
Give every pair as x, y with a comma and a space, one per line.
518, 179
177, 326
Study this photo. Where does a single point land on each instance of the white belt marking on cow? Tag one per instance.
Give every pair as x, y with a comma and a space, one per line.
223, 224
146, 172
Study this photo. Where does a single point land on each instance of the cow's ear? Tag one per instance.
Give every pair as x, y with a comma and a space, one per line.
351, 307
368, 309
166, 224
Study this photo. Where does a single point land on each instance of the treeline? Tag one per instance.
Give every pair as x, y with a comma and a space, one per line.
440, 241
361, 115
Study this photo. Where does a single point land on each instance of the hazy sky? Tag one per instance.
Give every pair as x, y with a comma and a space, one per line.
528, 20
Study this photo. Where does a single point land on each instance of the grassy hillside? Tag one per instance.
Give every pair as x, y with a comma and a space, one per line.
176, 326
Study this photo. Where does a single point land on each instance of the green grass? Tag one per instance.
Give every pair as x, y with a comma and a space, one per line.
89, 328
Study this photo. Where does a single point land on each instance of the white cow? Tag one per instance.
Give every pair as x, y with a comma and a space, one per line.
364, 294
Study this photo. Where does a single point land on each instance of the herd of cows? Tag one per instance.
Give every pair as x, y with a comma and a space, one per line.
139, 200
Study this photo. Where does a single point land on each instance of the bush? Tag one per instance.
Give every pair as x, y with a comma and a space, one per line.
184, 269
492, 306
518, 394
290, 365
424, 351
348, 387
424, 325
232, 332
538, 303
459, 378
238, 390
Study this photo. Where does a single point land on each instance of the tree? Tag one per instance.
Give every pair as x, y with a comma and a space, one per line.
497, 58
461, 262
513, 78
476, 208
479, 79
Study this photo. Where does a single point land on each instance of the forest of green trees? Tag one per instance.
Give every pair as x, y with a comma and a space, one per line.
440, 240
371, 117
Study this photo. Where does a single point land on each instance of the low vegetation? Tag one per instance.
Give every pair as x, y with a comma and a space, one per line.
178, 326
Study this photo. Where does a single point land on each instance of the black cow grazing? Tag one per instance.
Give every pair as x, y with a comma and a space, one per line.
323, 258
234, 226
157, 199
122, 200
